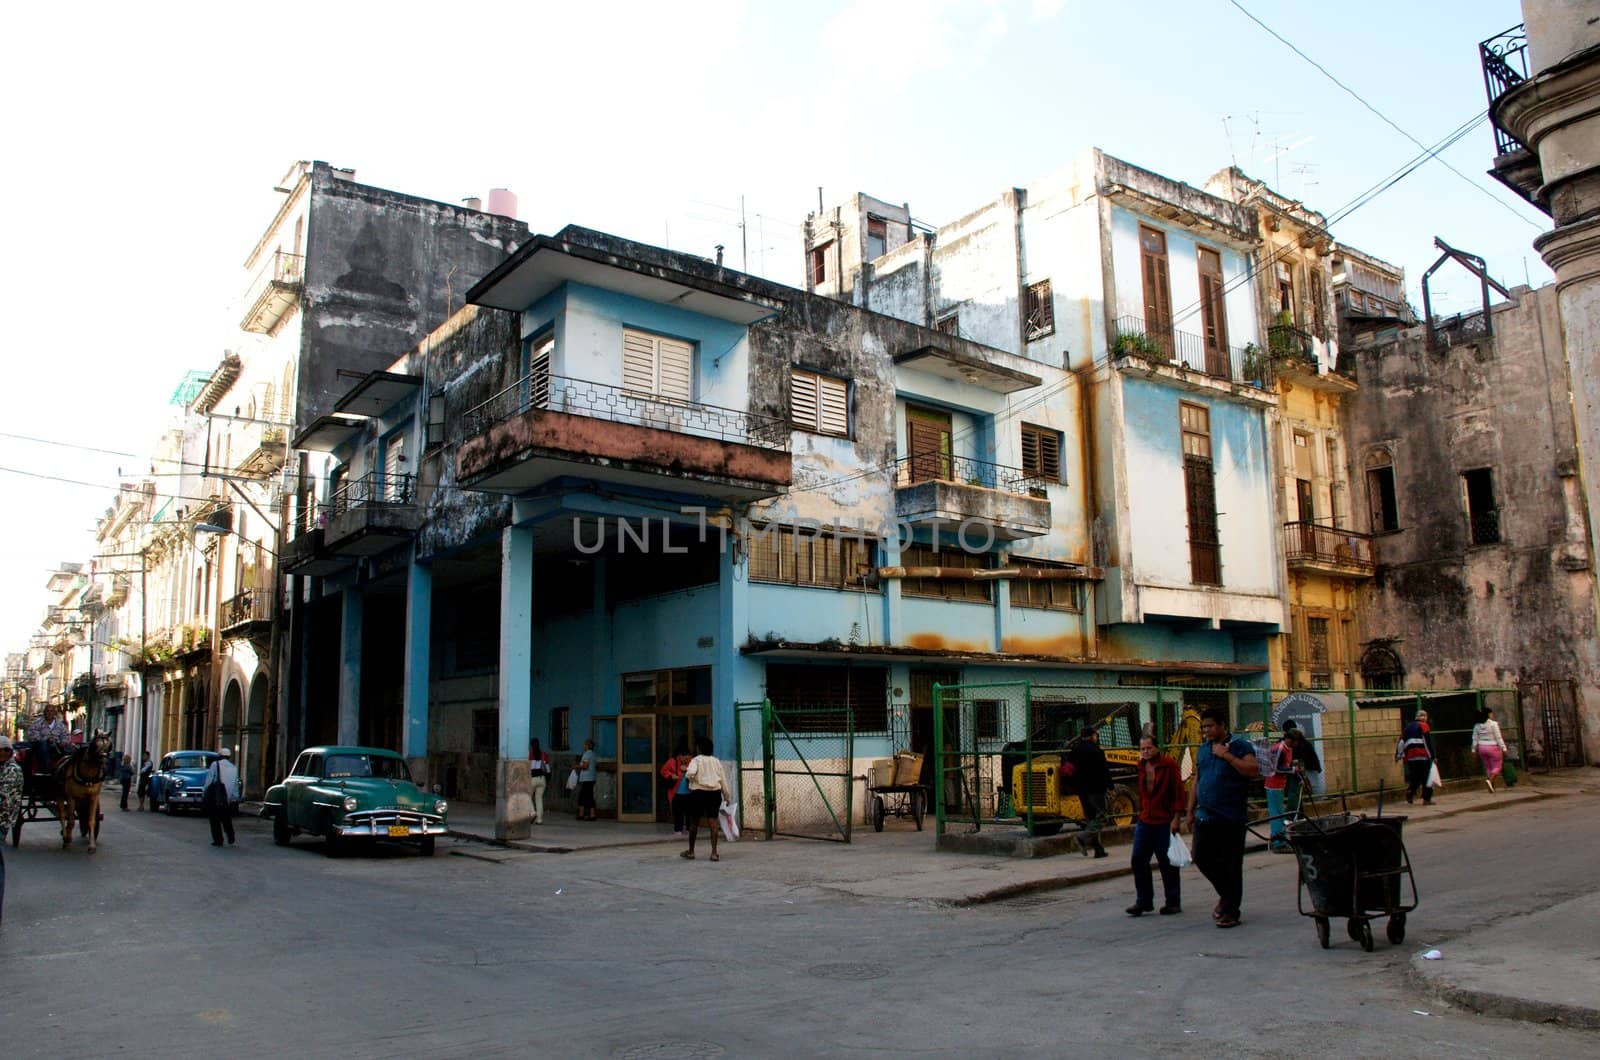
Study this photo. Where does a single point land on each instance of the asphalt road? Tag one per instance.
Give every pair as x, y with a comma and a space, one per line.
160, 945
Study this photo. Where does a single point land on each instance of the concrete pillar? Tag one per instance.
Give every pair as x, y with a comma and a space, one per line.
352, 607
419, 639
893, 629
1002, 604
513, 804
733, 625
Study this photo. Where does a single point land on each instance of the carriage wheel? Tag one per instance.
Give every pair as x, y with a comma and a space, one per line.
1323, 932
877, 813
917, 808
1352, 928
1366, 935
1397, 928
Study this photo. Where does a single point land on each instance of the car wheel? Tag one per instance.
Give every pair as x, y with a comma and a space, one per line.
426, 846
280, 828
333, 845
170, 807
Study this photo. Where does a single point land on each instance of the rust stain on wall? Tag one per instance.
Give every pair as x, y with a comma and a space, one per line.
1067, 646
935, 642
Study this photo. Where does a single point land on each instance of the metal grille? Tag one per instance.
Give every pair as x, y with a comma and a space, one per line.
1505, 66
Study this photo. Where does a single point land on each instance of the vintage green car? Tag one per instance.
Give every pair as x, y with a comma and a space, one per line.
353, 793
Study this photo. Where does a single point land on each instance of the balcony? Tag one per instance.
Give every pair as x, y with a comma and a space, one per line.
249, 614
1293, 353
546, 426
1505, 66
1190, 353
268, 454
307, 554
273, 292
957, 492
371, 514
1327, 550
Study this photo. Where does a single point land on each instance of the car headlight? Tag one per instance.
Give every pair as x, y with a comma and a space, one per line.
440, 807
350, 803
178, 783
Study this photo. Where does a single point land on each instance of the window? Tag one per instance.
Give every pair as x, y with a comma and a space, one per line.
435, 429
1157, 287
944, 588
782, 555
1285, 293
819, 403
657, 366
819, 265
1317, 644
877, 238
1200, 493
560, 728
929, 439
1046, 594
1483, 516
1213, 313
1381, 499
1041, 453
683, 688
829, 698
533, 369
949, 324
986, 719
1041, 311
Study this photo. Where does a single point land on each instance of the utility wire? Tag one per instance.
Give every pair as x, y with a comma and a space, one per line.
1384, 117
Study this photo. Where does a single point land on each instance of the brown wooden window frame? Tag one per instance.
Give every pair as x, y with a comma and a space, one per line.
877, 228
1155, 273
1039, 319
1045, 595
1383, 499
1200, 495
814, 559
944, 588
1213, 311
819, 265
1041, 453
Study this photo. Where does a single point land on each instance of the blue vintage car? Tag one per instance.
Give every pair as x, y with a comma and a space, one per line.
349, 794
180, 780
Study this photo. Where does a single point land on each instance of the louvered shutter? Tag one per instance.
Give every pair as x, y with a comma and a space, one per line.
803, 400
1030, 451
676, 378
833, 414
394, 466
1050, 456
638, 362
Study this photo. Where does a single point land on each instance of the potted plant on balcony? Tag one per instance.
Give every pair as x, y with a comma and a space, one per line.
1253, 365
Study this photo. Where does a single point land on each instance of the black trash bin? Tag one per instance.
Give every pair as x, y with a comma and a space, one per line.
1352, 867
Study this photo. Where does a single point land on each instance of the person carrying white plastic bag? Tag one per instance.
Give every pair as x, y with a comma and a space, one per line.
708, 790
1162, 803
729, 820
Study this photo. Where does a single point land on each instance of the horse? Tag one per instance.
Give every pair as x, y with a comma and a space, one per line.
78, 778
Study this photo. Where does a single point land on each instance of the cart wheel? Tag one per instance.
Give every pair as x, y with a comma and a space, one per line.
1397, 928
1323, 932
1366, 935
1352, 928
917, 808
877, 813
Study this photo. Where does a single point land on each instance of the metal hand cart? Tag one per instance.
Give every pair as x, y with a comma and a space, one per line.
898, 800
1355, 867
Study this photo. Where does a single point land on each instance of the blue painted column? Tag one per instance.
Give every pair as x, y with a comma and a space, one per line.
513, 805
892, 629
419, 640
1002, 604
352, 609
733, 625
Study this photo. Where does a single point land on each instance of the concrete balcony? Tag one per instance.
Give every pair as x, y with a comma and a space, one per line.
273, 292
955, 491
1327, 550
371, 515
248, 614
545, 427
307, 554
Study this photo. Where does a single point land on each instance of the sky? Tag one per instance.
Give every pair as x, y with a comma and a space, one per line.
143, 142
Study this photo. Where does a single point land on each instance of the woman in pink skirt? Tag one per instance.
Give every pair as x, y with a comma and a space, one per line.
1490, 745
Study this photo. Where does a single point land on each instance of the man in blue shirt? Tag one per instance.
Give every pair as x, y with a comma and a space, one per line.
1218, 811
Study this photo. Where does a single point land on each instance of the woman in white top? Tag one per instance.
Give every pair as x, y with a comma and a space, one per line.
708, 786
1490, 745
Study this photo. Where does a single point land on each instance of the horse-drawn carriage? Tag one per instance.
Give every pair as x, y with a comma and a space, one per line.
70, 789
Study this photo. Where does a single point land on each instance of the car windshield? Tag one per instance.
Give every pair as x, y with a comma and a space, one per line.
191, 761
382, 766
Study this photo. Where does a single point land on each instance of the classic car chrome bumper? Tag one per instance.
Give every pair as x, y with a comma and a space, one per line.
386, 824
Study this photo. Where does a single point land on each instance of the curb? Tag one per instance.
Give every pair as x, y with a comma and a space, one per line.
1506, 1006
553, 848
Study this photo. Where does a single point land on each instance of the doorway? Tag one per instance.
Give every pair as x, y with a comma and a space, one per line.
928, 443
922, 682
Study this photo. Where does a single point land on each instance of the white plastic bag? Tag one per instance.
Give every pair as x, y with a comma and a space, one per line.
1433, 776
572, 780
729, 823
1178, 852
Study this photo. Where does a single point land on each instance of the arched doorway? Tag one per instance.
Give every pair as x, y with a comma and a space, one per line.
232, 701
255, 737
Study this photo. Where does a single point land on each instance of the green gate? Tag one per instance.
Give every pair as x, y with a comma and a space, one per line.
805, 758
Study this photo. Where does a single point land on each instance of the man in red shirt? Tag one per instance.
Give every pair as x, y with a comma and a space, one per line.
1161, 807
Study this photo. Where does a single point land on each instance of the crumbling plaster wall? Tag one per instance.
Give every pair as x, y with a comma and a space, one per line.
1463, 615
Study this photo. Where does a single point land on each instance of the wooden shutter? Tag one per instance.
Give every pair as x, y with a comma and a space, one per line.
1213, 313
675, 380
1200, 490
803, 400
394, 466
1041, 453
833, 412
638, 362
928, 439
1157, 288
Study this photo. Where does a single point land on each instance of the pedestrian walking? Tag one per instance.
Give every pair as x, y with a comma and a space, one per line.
1415, 750
587, 774
1162, 803
1308, 764
222, 782
678, 788
1218, 811
539, 775
10, 807
147, 770
1091, 778
1276, 781
1490, 744
125, 778
708, 787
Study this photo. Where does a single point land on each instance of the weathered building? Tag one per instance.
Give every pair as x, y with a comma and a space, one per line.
1466, 443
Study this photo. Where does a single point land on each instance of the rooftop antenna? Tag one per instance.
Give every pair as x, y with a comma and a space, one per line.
1227, 132
819, 200
744, 239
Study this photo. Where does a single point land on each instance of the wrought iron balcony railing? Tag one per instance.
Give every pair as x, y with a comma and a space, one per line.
541, 390
1505, 66
281, 267
252, 605
1165, 345
379, 489
1331, 545
940, 467
1289, 343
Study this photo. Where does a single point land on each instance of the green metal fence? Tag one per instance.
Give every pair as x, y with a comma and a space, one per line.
804, 760
751, 738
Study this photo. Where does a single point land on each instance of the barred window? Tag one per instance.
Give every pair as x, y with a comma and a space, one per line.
784, 555
1045, 594
1040, 310
817, 699
944, 588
